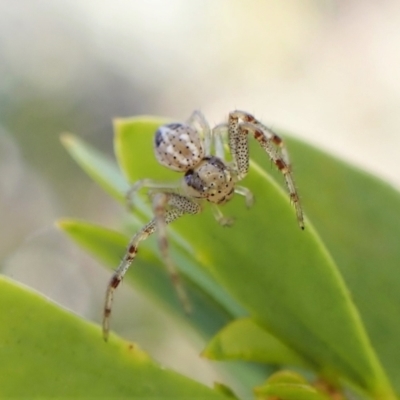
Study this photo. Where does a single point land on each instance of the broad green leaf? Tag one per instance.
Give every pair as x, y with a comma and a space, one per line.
243, 339
48, 352
358, 218
284, 277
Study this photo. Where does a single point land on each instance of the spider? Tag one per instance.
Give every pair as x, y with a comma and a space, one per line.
187, 148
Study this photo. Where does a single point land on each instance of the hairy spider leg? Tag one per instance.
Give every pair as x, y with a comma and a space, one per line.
218, 135
273, 136
238, 132
180, 205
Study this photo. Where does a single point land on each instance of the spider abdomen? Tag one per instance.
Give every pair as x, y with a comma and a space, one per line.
178, 146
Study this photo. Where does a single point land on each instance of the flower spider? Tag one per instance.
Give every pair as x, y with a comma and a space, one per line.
187, 148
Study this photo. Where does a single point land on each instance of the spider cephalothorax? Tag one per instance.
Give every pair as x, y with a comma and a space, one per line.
196, 150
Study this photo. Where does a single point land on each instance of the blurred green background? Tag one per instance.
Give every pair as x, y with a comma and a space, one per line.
328, 71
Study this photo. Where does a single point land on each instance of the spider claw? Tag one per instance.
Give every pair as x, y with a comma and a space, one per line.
226, 222
250, 201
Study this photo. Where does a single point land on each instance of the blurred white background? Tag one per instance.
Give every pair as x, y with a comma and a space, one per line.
327, 71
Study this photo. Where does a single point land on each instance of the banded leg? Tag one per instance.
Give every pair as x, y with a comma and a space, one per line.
180, 205
269, 133
238, 132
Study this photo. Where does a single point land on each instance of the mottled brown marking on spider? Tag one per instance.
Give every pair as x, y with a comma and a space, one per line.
115, 281
196, 150
277, 140
280, 164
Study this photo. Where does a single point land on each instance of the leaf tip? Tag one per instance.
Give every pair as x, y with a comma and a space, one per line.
63, 224
67, 139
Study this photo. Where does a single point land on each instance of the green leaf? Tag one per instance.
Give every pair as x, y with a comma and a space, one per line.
284, 277
47, 352
149, 276
358, 217
244, 340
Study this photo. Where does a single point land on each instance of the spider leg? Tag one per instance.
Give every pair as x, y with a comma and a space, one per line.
220, 217
238, 132
217, 133
273, 136
149, 184
198, 118
180, 205
248, 195
229, 221
238, 146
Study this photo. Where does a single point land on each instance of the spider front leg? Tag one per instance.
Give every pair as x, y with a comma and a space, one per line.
229, 221
247, 194
197, 117
240, 125
179, 205
148, 184
220, 217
